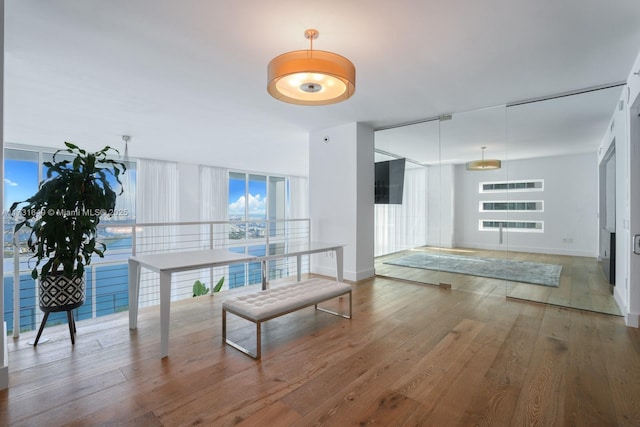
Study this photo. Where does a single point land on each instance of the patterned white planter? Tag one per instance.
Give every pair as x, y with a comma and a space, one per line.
59, 293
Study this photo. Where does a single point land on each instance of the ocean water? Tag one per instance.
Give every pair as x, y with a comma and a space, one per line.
112, 295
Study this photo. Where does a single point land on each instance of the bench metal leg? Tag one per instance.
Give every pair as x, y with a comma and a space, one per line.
258, 340
237, 346
258, 352
335, 313
224, 324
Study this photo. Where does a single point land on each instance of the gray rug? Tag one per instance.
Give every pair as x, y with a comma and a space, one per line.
515, 271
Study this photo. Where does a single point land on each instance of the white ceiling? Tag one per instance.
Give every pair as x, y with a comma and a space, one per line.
187, 79
552, 127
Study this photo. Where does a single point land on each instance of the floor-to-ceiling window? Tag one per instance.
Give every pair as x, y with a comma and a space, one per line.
257, 206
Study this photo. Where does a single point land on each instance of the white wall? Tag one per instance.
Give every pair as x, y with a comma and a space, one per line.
341, 191
466, 208
441, 225
617, 133
570, 206
632, 108
624, 129
365, 201
448, 197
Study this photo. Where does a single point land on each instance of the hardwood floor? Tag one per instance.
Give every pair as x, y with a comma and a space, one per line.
582, 283
411, 355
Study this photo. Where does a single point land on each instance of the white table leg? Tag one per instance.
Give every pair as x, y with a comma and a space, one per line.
165, 301
298, 267
134, 292
339, 263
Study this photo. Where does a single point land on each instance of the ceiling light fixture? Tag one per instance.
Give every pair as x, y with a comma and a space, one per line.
484, 165
311, 77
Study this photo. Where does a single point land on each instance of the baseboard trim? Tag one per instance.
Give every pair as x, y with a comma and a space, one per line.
360, 275
352, 276
620, 301
632, 320
513, 248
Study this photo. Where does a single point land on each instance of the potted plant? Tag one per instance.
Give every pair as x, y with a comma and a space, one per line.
63, 217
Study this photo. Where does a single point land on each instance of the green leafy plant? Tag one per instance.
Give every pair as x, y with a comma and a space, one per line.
199, 289
65, 212
218, 285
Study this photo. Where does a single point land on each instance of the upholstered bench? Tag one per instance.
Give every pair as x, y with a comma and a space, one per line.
261, 306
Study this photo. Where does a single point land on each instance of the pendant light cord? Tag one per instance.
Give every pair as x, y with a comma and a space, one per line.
126, 139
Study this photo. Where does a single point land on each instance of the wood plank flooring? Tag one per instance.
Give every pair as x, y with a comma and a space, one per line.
412, 355
582, 283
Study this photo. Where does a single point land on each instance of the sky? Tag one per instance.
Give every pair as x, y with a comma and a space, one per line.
257, 195
20, 180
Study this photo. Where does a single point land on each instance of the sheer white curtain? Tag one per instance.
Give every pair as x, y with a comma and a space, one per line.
214, 203
298, 197
126, 202
157, 191
400, 227
157, 201
214, 197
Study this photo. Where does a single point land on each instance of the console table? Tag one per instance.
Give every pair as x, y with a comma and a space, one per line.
168, 263
277, 251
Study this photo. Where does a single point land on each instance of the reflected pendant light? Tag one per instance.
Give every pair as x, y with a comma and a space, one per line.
484, 164
311, 77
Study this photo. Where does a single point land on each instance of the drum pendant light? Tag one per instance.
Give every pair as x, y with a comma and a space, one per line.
311, 77
484, 164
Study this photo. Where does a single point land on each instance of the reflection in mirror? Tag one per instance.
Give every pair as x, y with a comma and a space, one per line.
546, 216
473, 241
404, 229
555, 143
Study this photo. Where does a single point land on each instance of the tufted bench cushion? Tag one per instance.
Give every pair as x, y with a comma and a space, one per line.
270, 303
277, 301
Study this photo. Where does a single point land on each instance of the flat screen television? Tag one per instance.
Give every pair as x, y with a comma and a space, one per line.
389, 184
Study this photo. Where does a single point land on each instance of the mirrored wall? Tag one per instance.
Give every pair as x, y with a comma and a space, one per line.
405, 230
528, 229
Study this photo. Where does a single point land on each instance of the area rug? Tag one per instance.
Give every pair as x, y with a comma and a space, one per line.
516, 271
